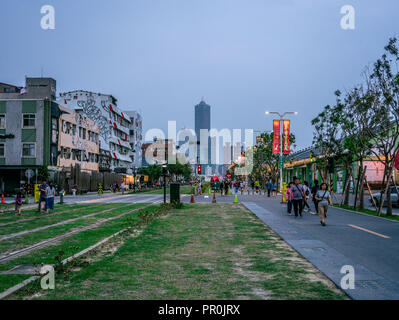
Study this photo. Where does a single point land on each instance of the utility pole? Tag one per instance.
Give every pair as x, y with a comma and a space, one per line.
164, 182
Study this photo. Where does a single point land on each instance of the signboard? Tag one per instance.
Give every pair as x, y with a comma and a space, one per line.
37, 192
281, 162
228, 175
286, 136
396, 160
145, 178
276, 136
29, 173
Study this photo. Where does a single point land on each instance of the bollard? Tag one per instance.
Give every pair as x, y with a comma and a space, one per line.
192, 199
214, 198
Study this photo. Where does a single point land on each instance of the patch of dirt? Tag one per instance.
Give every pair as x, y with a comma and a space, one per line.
263, 294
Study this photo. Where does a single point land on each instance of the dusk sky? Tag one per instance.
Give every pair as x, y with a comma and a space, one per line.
161, 56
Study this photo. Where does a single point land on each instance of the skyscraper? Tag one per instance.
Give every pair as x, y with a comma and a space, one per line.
202, 121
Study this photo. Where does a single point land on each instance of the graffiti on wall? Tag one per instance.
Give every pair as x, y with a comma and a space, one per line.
94, 113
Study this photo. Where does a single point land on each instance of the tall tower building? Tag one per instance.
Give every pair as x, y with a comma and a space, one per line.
202, 121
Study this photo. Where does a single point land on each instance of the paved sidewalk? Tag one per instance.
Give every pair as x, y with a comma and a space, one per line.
373, 256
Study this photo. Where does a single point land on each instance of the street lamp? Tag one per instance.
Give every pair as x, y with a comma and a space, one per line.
164, 182
134, 179
281, 139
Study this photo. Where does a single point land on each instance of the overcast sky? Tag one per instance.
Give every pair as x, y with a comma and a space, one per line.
162, 56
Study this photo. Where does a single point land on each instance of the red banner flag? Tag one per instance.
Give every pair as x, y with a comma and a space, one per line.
276, 136
286, 136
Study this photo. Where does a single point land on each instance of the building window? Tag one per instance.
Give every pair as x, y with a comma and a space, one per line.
28, 150
2, 149
29, 121
2, 121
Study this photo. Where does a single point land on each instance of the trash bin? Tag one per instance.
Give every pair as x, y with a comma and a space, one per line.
174, 193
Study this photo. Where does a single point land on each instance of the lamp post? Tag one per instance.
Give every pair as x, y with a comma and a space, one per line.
134, 179
281, 115
164, 182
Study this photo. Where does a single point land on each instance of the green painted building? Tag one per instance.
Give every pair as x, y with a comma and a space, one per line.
28, 130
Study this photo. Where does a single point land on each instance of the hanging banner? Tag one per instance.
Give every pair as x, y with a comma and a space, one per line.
286, 136
276, 136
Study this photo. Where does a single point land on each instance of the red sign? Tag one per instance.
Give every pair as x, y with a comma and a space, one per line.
286, 136
276, 136
228, 175
396, 160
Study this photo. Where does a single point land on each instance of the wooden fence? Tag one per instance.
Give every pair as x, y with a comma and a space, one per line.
85, 181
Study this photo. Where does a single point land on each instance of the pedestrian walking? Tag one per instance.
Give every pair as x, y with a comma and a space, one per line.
18, 203
274, 190
314, 190
50, 193
42, 198
323, 198
306, 191
297, 197
269, 186
241, 186
289, 197
226, 188
236, 186
257, 185
123, 187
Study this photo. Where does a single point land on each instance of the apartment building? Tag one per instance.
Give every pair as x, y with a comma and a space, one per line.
79, 141
135, 137
113, 124
28, 130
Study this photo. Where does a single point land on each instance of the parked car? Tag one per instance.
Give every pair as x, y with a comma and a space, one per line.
394, 197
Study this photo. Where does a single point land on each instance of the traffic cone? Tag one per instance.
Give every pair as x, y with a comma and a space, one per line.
229, 191
214, 198
235, 199
2, 198
209, 190
192, 199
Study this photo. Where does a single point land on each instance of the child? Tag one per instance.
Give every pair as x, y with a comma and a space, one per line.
289, 197
18, 203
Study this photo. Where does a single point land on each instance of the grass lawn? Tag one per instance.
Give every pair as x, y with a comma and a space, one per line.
25, 240
73, 244
217, 251
10, 280
184, 189
368, 211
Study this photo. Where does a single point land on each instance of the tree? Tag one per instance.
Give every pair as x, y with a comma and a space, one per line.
180, 170
152, 171
265, 161
43, 173
377, 113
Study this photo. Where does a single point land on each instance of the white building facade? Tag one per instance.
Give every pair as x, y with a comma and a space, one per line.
135, 137
114, 127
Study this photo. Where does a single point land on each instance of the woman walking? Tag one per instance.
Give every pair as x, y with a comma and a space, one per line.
306, 191
289, 197
323, 199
